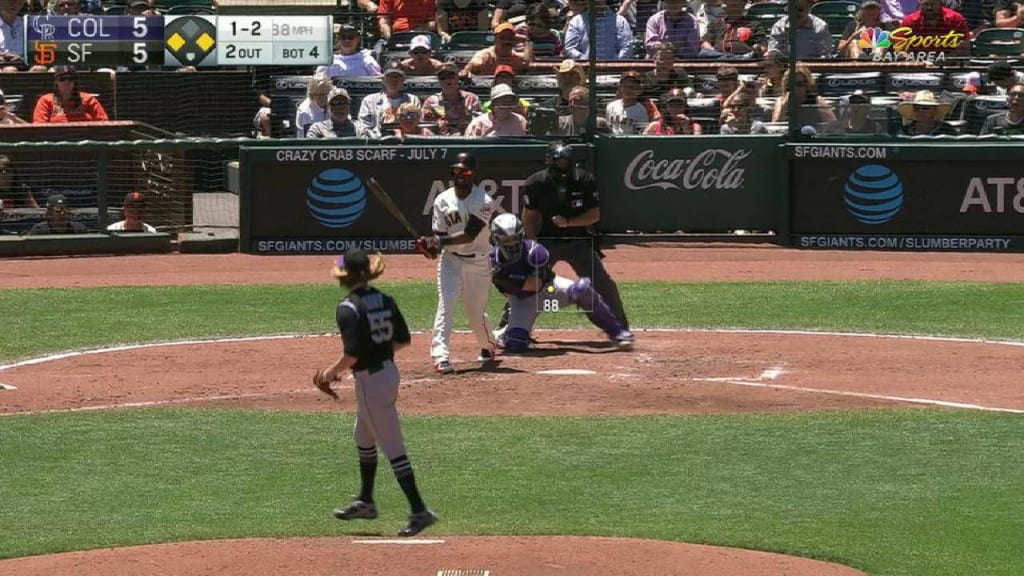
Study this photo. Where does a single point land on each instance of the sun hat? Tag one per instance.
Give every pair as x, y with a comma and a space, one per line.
923, 98
502, 91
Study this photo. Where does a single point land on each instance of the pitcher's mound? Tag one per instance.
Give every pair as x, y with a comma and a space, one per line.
424, 556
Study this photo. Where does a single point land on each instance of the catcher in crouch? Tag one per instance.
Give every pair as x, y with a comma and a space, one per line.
372, 329
521, 270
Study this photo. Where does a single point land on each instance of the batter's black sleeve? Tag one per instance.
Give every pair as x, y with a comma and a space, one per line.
348, 325
401, 329
474, 226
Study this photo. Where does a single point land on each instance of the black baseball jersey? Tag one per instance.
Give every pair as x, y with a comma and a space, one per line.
553, 195
370, 322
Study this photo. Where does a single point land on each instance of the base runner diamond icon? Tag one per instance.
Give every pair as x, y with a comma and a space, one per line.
189, 39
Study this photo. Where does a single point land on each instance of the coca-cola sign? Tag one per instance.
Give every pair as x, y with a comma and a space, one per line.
714, 169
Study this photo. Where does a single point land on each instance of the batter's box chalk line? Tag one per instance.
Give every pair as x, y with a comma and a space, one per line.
7, 386
400, 541
463, 573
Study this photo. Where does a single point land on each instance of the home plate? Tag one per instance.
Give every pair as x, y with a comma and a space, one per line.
405, 541
567, 372
7, 386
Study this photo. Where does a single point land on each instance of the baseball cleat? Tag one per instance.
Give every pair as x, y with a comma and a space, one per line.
357, 510
418, 523
444, 367
624, 340
486, 355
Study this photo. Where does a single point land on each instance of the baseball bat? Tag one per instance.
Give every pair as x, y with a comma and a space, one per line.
393, 208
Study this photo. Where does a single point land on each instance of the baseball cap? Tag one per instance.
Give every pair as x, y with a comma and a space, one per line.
448, 69
504, 27
420, 42
675, 97
504, 69
999, 70
338, 93
875, 3
972, 83
858, 96
394, 69
502, 91
346, 27
134, 199
136, 3
56, 201
65, 71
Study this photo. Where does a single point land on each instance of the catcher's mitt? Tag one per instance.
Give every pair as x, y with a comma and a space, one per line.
428, 247
323, 385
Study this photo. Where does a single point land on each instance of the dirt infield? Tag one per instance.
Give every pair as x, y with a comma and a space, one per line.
669, 372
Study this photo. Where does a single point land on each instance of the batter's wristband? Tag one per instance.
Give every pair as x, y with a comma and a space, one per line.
443, 240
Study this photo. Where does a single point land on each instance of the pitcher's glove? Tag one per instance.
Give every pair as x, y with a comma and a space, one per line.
321, 383
429, 246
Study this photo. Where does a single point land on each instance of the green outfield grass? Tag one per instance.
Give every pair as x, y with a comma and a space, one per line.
892, 492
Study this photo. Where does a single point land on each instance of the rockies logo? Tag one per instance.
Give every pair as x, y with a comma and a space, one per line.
190, 39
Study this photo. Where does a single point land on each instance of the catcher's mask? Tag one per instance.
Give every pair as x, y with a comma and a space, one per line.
507, 234
356, 266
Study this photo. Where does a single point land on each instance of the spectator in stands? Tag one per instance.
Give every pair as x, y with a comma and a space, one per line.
141, 8
504, 10
1010, 122
614, 36
66, 8
569, 75
736, 117
314, 108
630, 113
545, 41
502, 120
813, 110
813, 40
485, 61
6, 116
665, 75
638, 12
673, 24
572, 9
134, 210
1002, 76
775, 64
406, 15
451, 108
868, 16
409, 117
421, 61
67, 103
854, 117
675, 117
461, 16
340, 124
727, 79
934, 19
980, 14
896, 10
380, 109
575, 122
923, 115
1009, 14
12, 33
350, 59
504, 75
13, 192
725, 31
58, 219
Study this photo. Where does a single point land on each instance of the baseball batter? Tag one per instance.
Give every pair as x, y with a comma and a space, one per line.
521, 270
372, 329
460, 217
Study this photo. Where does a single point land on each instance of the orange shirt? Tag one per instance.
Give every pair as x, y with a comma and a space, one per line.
50, 111
408, 14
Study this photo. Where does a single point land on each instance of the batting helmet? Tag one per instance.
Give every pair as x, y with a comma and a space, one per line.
465, 160
559, 150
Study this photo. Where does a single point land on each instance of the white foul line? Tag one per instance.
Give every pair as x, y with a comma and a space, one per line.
402, 541
943, 403
7, 386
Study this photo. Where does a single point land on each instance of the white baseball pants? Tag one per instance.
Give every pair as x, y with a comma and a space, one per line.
470, 277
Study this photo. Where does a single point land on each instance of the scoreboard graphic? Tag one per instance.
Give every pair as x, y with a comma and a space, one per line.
199, 40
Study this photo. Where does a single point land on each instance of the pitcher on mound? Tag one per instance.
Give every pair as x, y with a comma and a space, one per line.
460, 224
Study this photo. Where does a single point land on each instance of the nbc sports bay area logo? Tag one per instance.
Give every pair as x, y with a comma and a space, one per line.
873, 194
336, 198
903, 45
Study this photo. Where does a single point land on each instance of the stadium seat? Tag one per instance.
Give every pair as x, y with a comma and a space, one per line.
836, 85
827, 8
188, 9
399, 41
998, 41
836, 23
765, 12
469, 40
896, 83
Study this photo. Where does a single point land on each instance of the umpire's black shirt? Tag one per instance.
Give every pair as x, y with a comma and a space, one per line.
552, 195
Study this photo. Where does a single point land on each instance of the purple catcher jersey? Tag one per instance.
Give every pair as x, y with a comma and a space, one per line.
509, 276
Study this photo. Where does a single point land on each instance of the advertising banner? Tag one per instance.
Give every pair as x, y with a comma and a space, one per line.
943, 197
688, 184
315, 200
